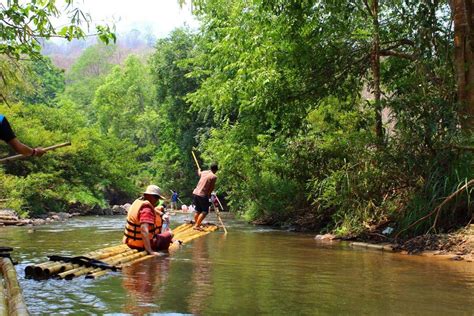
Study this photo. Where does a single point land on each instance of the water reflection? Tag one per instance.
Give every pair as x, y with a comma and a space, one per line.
145, 284
250, 271
201, 277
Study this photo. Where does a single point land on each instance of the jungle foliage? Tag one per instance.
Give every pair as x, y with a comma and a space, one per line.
338, 116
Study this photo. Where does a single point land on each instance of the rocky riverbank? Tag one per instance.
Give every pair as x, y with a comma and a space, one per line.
458, 246
10, 218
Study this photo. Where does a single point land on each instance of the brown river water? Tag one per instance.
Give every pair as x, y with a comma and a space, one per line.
250, 271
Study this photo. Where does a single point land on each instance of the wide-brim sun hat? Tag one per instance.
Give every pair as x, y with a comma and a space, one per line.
154, 190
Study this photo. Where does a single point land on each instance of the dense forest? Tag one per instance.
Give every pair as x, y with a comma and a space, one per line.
339, 116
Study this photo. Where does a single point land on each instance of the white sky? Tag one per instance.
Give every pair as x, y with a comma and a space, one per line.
158, 16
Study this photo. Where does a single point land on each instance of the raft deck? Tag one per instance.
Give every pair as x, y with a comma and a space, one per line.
118, 256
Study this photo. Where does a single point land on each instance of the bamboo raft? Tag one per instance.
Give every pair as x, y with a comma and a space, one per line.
11, 298
119, 256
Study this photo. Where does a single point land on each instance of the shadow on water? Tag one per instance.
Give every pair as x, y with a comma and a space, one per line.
252, 270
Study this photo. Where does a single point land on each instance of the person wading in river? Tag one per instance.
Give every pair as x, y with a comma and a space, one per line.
202, 194
8, 136
143, 227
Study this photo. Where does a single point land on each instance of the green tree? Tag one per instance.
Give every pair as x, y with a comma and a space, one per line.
87, 74
47, 82
177, 125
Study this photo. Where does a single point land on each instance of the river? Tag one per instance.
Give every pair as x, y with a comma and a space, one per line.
250, 271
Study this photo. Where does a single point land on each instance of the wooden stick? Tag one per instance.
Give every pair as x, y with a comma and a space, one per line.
219, 201
20, 156
437, 210
219, 217
195, 160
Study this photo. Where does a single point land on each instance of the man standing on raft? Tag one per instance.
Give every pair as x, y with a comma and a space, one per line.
202, 194
143, 227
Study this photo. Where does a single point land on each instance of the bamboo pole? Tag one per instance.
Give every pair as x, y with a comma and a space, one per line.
3, 298
195, 160
16, 304
216, 210
20, 156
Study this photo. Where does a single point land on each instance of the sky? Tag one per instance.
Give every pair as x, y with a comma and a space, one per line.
158, 16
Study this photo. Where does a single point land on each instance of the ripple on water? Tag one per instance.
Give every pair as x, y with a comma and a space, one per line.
252, 270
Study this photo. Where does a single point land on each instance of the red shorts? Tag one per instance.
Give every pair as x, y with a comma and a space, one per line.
162, 241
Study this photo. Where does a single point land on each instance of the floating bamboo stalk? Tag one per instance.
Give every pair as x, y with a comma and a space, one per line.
16, 304
3, 298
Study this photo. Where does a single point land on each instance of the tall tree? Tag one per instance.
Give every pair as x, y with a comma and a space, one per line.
463, 16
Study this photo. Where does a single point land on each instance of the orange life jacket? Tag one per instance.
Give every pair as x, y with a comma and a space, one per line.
132, 233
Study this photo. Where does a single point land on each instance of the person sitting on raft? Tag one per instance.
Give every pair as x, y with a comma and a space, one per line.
144, 221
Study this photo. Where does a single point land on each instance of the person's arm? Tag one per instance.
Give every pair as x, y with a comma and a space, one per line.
25, 150
146, 239
160, 210
7, 134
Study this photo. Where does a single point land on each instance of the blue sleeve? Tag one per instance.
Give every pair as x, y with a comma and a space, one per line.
6, 132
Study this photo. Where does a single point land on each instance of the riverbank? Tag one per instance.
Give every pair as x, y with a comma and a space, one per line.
9, 217
457, 246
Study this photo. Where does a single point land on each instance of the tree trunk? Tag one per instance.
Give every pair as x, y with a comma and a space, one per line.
376, 70
464, 60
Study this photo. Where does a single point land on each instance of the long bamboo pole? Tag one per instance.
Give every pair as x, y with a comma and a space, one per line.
216, 210
16, 303
3, 298
20, 156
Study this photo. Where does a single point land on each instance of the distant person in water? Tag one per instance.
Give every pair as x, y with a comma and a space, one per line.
144, 223
174, 200
202, 194
8, 136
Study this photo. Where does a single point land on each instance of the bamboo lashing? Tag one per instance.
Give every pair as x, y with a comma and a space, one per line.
20, 156
119, 256
12, 291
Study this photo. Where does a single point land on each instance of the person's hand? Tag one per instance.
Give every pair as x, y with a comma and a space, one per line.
38, 151
156, 254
